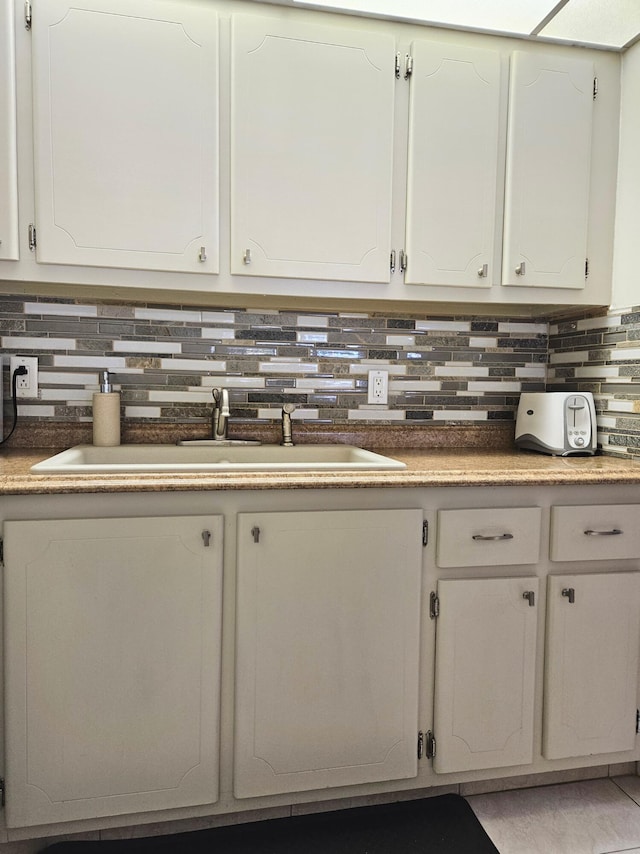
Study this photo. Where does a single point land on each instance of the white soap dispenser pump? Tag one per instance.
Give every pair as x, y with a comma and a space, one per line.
106, 413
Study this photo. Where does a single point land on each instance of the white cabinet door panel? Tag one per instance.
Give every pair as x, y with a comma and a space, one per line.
548, 171
485, 673
453, 160
591, 674
8, 161
328, 614
112, 665
311, 151
125, 122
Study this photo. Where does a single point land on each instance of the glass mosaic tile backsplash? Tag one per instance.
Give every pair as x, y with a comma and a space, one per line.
446, 370
165, 361
602, 354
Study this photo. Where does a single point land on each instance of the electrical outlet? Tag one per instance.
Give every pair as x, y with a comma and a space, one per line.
378, 388
26, 384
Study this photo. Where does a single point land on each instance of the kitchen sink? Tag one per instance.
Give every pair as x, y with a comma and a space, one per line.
209, 458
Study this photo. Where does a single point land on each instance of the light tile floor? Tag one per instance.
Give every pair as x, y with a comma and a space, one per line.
588, 817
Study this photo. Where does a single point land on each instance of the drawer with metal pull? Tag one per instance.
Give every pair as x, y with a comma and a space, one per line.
595, 532
494, 537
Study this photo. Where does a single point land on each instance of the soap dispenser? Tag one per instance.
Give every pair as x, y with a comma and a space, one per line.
106, 413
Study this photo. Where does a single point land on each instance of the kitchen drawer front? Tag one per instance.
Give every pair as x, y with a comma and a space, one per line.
595, 532
494, 537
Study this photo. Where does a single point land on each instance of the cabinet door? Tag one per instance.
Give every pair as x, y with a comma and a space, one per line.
112, 664
311, 150
453, 160
125, 124
328, 615
485, 673
548, 171
591, 676
8, 167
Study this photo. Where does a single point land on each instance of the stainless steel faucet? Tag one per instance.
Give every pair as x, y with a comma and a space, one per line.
220, 417
287, 436
220, 414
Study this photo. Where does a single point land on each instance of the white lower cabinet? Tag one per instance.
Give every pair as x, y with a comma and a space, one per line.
485, 672
502, 624
591, 674
112, 666
328, 624
492, 669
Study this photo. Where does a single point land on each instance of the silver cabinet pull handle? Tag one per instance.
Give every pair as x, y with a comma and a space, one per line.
496, 537
521, 269
530, 596
612, 533
483, 271
570, 594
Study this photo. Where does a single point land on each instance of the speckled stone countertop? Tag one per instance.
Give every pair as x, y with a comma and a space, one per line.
426, 467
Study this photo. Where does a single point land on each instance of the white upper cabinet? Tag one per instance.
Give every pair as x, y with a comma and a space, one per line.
126, 134
311, 150
472, 165
548, 170
8, 167
454, 149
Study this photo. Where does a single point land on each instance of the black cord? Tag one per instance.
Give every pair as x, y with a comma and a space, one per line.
19, 372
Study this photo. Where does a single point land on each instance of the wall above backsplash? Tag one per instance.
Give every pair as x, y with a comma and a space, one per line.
166, 360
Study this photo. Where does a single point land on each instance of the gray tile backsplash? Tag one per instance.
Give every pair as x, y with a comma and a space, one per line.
165, 360
601, 353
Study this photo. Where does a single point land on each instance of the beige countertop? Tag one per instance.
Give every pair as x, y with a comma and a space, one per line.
426, 467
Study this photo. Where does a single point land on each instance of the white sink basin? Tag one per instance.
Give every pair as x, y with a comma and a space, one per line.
209, 458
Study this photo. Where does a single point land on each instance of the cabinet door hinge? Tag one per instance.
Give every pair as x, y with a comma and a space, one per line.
586, 268
430, 745
425, 533
434, 605
637, 720
398, 63
420, 744
408, 66
1, 552
2, 791
392, 261
32, 236
403, 260
595, 88
27, 14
